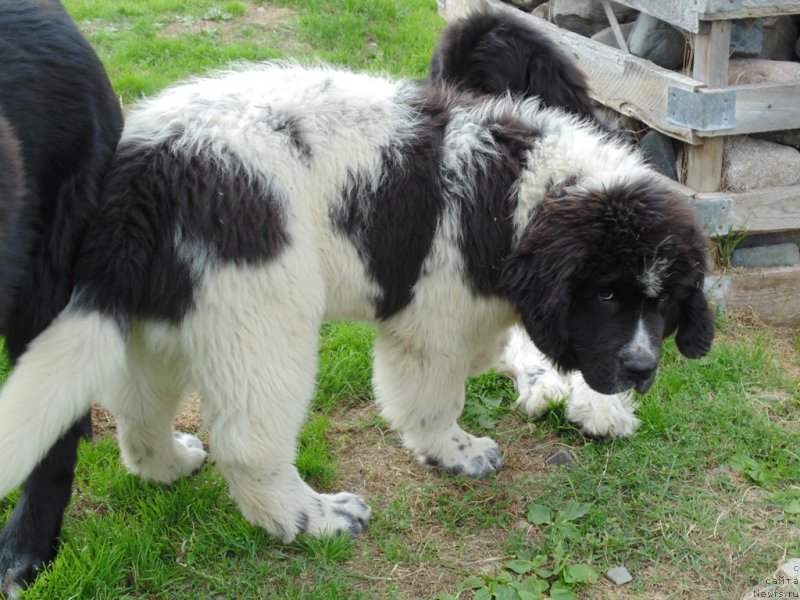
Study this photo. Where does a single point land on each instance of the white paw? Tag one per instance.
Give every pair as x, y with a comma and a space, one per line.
323, 515
538, 388
459, 452
537, 382
340, 513
601, 415
190, 453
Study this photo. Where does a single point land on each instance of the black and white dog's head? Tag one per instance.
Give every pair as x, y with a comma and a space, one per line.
600, 278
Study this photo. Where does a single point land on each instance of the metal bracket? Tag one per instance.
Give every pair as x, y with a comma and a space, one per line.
701, 111
716, 214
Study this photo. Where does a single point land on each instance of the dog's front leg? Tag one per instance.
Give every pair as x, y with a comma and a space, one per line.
421, 393
30, 538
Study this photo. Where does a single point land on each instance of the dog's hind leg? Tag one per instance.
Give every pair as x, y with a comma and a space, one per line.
421, 394
255, 363
144, 402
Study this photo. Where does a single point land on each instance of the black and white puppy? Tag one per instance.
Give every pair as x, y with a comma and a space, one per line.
243, 210
59, 125
499, 53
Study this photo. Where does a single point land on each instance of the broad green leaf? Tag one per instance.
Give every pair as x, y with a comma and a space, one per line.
567, 531
504, 577
504, 592
561, 591
574, 510
520, 566
580, 573
532, 585
473, 582
539, 514
483, 594
793, 508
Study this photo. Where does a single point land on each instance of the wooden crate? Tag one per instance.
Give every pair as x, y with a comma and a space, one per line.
699, 110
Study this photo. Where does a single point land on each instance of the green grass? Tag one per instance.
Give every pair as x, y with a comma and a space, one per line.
699, 503
149, 44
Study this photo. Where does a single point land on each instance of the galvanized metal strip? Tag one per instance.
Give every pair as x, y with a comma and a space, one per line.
702, 111
716, 214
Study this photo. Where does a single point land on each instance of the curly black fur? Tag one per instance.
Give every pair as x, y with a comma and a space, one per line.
584, 246
494, 53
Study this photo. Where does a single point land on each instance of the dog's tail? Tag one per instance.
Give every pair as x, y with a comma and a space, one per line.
53, 384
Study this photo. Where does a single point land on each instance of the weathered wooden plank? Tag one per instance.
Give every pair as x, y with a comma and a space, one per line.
761, 107
687, 14
711, 46
758, 211
769, 293
678, 13
742, 9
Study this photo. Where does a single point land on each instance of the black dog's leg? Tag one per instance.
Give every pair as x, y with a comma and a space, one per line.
30, 538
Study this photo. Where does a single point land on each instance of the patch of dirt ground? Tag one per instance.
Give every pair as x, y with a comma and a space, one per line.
275, 20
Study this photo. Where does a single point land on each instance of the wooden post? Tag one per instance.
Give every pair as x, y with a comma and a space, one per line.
711, 50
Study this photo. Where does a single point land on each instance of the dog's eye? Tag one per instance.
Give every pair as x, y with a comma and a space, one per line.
606, 296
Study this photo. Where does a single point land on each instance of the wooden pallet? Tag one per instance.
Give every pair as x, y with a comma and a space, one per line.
668, 102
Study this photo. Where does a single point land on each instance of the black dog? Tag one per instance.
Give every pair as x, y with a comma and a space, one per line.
494, 53
59, 124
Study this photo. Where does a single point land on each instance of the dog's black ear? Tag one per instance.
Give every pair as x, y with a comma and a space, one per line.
543, 303
695, 325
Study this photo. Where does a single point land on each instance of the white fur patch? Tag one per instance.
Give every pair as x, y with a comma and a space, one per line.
539, 385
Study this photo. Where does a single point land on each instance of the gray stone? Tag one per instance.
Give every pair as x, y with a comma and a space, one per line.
751, 164
619, 575
542, 11
606, 36
657, 41
562, 458
526, 5
742, 71
586, 17
747, 37
790, 569
780, 36
777, 255
660, 153
787, 137
797, 48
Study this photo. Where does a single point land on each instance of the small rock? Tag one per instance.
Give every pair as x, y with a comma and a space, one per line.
790, 569
747, 37
526, 5
780, 36
797, 48
586, 17
606, 36
619, 575
751, 164
657, 41
775, 255
562, 458
742, 71
787, 137
542, 11
660, 153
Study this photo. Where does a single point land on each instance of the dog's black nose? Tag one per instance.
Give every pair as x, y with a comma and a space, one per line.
641, 371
